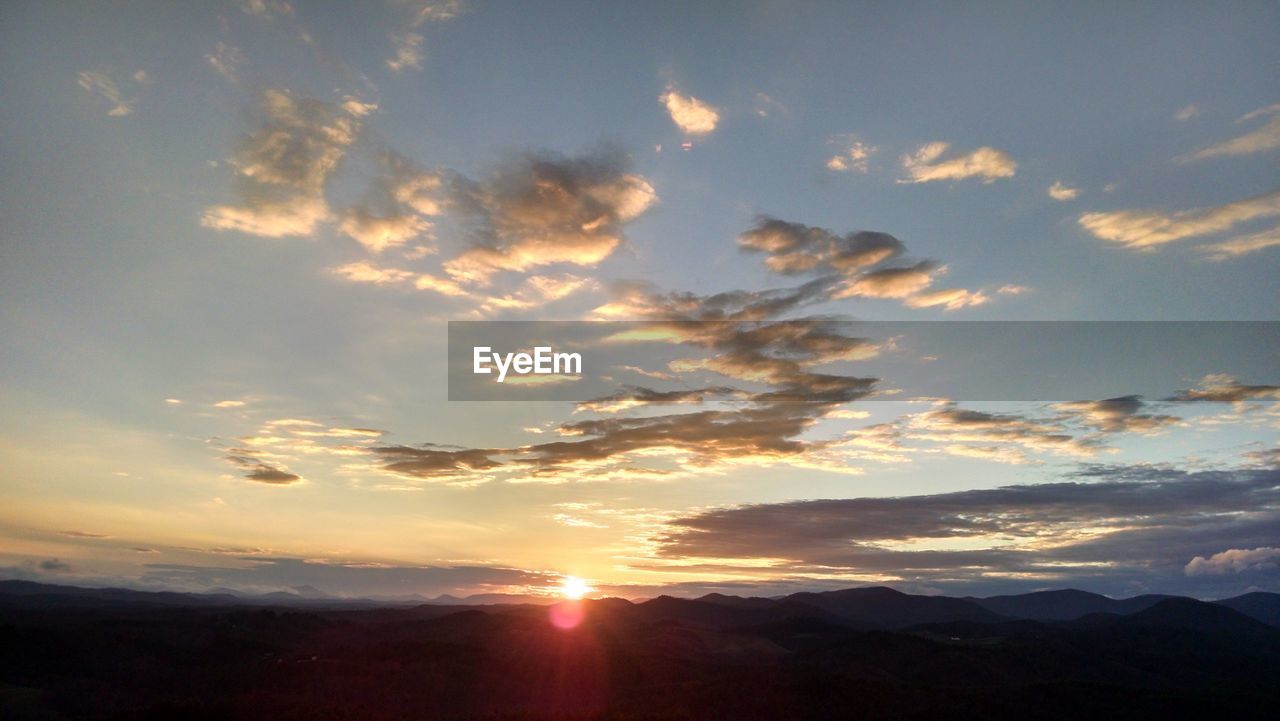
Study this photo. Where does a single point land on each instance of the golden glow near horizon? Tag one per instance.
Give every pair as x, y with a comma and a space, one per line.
574, 588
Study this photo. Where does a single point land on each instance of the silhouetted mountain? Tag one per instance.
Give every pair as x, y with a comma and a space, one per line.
1184, 613
1198, 615
1063, 605
1259, 605
807, 657
489, 599
882, 607
738, 601
29, 594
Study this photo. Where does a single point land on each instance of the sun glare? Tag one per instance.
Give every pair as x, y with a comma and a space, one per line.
574, 588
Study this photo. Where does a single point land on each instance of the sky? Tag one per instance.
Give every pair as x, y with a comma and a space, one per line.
233, 235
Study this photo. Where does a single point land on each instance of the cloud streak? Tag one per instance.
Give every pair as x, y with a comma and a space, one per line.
928, 165
1151, 229
284, 166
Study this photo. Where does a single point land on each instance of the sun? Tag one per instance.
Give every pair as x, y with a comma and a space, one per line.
574, 588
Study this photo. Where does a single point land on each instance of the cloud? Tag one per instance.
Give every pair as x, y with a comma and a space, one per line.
541, 209
407, 51
1186, 113
422, 12
1242, 245
1235, 560
691, 115
264, 456
996, 436
855, 157
102, 85
1222, 388
1261, 140
284, 166
406, 46
363, 271
635, 396
1062, 192
378, 233
1132, 523
1117, 415
762, 428
987, 163
1011, 289
258, 470
891, 282
345, 577
82, 534
226, 60
792, 248
422, 191
268, 9
951, 299
1150, 229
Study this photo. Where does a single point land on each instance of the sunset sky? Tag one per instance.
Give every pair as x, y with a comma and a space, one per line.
234, 233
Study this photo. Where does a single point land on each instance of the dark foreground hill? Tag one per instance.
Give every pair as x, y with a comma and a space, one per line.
856, 654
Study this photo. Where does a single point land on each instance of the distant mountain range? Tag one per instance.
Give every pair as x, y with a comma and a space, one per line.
876, 607
862, 653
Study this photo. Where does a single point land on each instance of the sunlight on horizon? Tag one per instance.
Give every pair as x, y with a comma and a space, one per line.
574, 588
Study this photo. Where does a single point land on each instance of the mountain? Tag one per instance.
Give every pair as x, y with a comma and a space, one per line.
799, 657
1063, 605
1259, 605
29, 594
1182, 613
45, 596
882, 607
738, 601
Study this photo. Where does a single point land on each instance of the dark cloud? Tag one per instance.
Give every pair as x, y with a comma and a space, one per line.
853, 264
761, 426
1125, 523
256, 469
266, 574
796, 248
636, 396
540, 209
1223, 388
1117, 415
1012, 432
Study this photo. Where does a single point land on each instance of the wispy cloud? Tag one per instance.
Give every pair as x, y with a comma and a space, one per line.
406, 51
407, 45
284, 166
1150, 229
927, 164
1242, 245
1261, 140
226, 61
1063, 192
101, 84
855, 155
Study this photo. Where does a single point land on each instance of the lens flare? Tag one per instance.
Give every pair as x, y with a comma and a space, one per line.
567, 614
